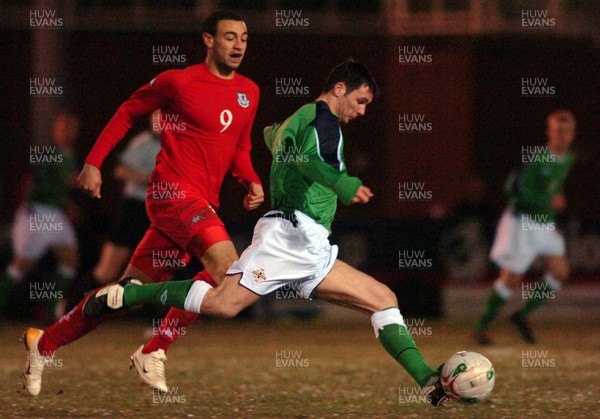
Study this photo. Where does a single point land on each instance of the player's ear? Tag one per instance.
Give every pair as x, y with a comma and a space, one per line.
339, 89
208, 39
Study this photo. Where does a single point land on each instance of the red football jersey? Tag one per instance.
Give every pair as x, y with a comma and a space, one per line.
205, 128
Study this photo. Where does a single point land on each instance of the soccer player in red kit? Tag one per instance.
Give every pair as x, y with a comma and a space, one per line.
207, 115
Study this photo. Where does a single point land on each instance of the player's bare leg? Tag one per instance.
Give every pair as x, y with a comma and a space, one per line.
113, 261
349, 287
501, 292
558, 267
132, 271
344, 286
217, 259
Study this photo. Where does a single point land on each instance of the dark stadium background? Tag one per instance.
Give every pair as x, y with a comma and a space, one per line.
470, 93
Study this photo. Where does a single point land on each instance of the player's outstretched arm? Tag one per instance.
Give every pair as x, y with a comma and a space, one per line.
90, 180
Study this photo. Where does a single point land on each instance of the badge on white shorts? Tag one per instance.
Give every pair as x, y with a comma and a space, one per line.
259, 275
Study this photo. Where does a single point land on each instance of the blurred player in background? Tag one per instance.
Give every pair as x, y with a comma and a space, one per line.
527, 228
135, 166
210, 109
290, 244
42, 223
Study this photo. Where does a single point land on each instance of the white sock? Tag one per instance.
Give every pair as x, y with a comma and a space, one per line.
195, 295
382, 318
66, 271
502, 290
552, 282
15, 273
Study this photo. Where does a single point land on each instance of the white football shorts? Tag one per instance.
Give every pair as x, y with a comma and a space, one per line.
519, 241
284, 253
39, 227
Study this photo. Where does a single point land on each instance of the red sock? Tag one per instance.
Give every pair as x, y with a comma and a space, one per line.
70, 327
175, 323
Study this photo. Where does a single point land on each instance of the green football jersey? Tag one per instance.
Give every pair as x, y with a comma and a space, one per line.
49, 185
532, 187
308, 171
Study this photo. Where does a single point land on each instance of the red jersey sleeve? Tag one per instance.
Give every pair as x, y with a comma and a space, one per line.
241, 164
156, 94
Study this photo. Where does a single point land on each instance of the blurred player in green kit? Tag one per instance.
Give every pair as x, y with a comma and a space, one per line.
41, 223
527, 228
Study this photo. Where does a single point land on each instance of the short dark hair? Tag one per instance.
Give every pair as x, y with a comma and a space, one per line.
211, 22
352, 73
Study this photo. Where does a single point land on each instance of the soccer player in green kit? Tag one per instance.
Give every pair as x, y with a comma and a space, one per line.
527, 228
290, 245
41, 223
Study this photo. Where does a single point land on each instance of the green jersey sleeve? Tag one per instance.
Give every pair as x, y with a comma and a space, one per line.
318, 170
308, 172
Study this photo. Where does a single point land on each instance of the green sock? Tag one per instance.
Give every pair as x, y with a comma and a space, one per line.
536, 299
398, 342
494, 303
171, 294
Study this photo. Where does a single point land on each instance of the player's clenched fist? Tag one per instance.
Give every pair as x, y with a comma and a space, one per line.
255, 197
90, 180
363, 195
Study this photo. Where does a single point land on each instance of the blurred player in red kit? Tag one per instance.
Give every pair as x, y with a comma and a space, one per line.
207, 115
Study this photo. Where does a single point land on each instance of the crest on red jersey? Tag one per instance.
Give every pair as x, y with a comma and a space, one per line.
243, 100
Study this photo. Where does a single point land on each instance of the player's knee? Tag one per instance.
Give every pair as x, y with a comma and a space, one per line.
227, 311
384, 297
510, 279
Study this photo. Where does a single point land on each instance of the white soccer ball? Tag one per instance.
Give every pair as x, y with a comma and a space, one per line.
468, 377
